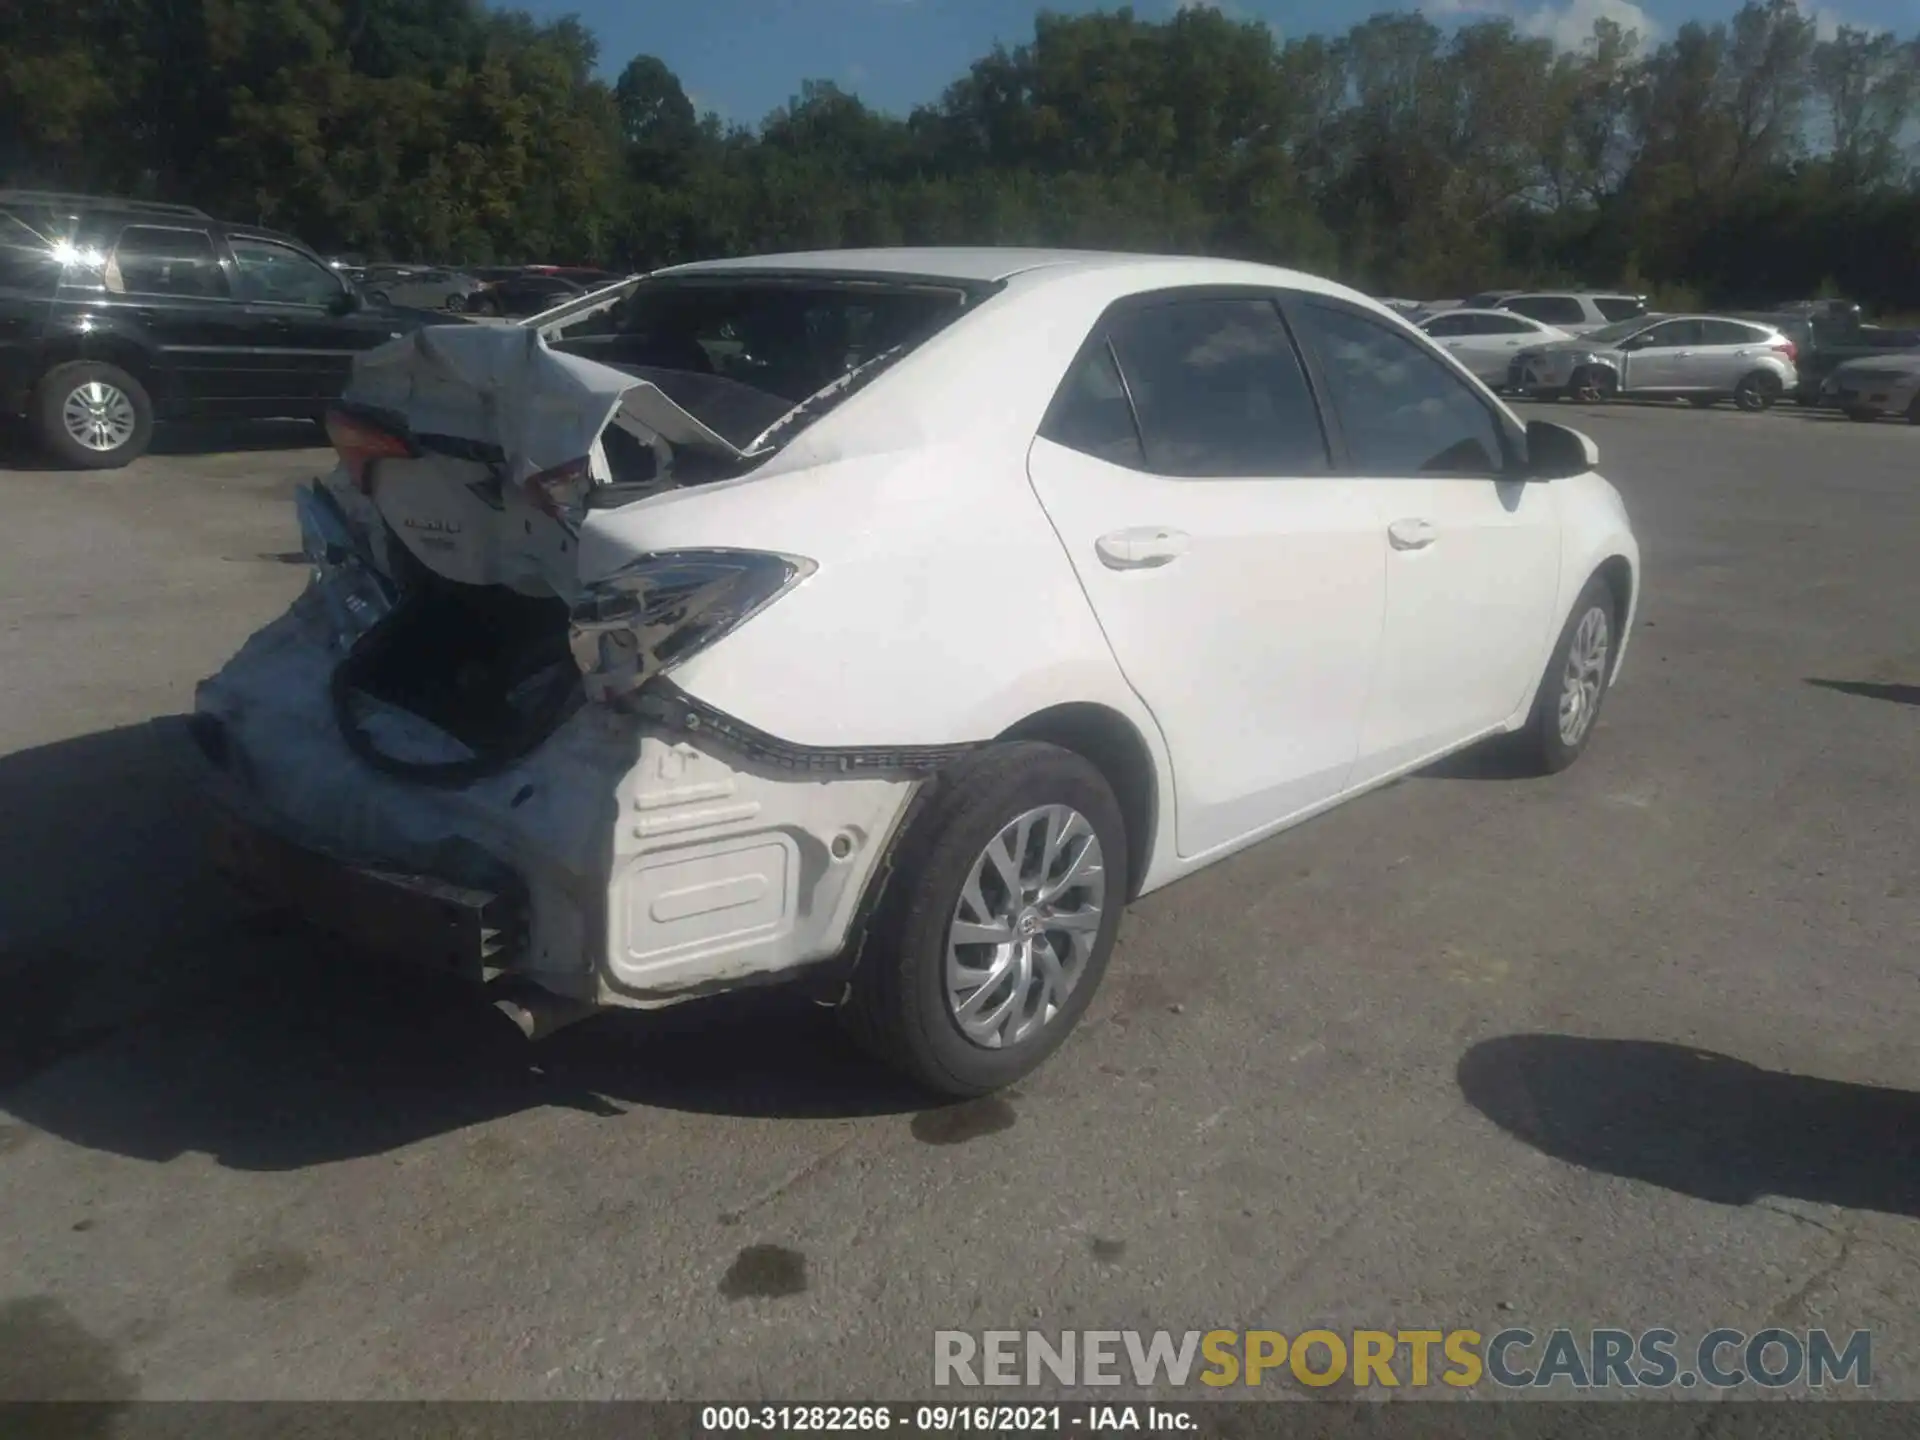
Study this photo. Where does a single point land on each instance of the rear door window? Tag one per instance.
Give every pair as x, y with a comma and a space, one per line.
1091, 413
1219, 390
1402, 411
1507, 325
1446, 327
1672, 335
163, 260
1551, 309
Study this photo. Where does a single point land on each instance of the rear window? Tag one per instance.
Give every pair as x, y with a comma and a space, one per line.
163, 260
1619, 307
27, 262
1731, 332
739, 353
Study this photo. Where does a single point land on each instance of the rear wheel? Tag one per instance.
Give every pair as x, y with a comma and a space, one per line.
1757, 392
89, 415
379, 297
1567, 707
995, 928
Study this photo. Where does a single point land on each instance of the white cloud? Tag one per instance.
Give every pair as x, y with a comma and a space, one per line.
1569, 26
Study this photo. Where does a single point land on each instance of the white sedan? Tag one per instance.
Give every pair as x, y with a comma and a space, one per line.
886, 621
1485, 341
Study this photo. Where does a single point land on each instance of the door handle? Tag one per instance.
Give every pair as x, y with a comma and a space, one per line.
1411, 534
1144, 547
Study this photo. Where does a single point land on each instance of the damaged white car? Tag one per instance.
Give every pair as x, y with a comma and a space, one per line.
887, 621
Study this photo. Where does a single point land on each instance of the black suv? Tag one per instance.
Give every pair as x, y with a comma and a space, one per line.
116, 312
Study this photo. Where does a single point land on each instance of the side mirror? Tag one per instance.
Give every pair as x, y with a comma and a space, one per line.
1558, 452
348, 301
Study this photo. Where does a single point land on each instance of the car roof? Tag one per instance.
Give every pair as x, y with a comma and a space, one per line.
975, 265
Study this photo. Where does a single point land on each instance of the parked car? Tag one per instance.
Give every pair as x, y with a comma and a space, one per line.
552, 716
1699, 358
1824, 343
115, 313
1884, 385
420, 289
1575, 311
519, 296
1485, 341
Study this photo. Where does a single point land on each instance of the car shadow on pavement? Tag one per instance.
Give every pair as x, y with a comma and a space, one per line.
1499, 757
1873, 690
1702, 1124
144, 1011
18, 451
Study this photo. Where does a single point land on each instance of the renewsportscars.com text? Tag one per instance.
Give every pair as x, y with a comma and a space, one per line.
1513, 1358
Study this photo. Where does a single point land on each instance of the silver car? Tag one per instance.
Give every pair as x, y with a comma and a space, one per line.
1880, 385
420, 288
1697, 358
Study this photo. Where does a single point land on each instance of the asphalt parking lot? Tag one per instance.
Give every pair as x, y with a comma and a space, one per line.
1633, 1046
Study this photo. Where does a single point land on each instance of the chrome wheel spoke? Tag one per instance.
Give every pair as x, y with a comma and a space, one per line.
98, 415
1013, 958
1585, 675
1078, 921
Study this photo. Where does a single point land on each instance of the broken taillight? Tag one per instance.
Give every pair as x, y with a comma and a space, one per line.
361, 441
663, 608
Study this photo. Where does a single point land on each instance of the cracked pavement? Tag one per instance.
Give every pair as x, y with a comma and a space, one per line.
1628, 1047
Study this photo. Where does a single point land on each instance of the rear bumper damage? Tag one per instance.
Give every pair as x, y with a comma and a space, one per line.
632, 859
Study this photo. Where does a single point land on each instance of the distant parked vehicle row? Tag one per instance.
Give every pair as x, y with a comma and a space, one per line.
420, 287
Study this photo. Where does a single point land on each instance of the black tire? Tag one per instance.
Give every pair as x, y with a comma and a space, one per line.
1757, 392
379, 297
455, 304
1540, 743
1913, 411
49, 405
1593, 385
1863, 417
897, 1008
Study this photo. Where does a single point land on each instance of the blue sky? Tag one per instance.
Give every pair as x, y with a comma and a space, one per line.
742, 58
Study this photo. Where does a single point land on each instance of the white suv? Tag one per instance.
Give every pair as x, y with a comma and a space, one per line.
1575, 311
888, 620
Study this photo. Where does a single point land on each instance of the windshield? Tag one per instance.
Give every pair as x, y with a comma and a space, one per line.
1620, 330
740, 352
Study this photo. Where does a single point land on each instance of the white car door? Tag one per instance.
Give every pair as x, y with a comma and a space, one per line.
1473, 551
1239, 581
1506, 336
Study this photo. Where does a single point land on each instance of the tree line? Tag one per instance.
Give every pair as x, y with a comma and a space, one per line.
1749, 161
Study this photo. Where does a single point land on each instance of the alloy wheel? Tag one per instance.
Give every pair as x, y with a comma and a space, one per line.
99, 415
1585, 675
1025, 926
